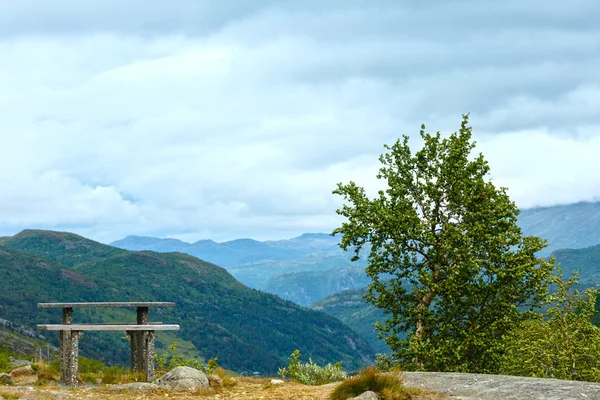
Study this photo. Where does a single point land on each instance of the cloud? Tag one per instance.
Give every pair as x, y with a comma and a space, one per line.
202, 119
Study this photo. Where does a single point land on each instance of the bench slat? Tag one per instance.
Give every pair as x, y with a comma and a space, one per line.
107, 327
107, 304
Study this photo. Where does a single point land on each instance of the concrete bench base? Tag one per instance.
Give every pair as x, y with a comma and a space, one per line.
141, 335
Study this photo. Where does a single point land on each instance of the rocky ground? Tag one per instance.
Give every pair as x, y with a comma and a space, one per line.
501, 387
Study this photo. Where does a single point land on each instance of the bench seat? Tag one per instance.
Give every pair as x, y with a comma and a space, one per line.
108, 327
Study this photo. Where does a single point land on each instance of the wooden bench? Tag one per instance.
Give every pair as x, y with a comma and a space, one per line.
141, 334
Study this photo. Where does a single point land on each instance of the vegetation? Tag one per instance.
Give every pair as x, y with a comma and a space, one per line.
310, 373
566, 345
449, 265
168, 360
248, 330
386, 386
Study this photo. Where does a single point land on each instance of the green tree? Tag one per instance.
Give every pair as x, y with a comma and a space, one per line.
564, 346
449, 265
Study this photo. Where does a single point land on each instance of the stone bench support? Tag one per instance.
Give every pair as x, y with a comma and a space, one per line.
141, 335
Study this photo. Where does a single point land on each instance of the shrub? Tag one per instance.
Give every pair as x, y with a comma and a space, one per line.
387, 386
88, 365
310, 373
169, 360
564, 346
211, 365
386, 363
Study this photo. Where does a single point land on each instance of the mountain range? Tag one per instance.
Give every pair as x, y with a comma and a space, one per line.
246, 329
311, 267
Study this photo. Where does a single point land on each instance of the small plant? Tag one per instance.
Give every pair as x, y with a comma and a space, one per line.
386, 363
310, 373
169, 360
211, 365
386, 386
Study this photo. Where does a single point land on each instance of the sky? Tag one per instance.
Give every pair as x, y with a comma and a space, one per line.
226, 119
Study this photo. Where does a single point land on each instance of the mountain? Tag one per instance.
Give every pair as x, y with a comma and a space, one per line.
248, 330
307, 287
586, 261
570, 226
239, 251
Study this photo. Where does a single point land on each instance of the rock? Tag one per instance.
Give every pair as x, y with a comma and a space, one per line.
366, 396
215, 380
23, 375
276, 382
5, 379
184, 379
134, 387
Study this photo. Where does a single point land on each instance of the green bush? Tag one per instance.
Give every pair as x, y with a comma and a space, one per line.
386, 363
310, 373
88, 365
564, 346
387, 386
169, 360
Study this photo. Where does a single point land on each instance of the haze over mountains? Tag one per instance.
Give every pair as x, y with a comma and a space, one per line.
311, 267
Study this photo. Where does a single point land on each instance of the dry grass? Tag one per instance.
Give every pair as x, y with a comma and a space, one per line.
246, 388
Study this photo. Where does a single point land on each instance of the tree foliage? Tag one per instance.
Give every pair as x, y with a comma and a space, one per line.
564, 346
448, 263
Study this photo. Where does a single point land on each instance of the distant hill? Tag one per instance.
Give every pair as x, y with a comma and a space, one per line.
351, 308
306, 287
586, 261
248, 330
570, 226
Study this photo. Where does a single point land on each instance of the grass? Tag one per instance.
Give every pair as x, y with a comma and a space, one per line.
386, 386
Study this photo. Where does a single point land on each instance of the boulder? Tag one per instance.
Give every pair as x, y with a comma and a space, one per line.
366, 396
184, 379
5, 379
134, 387
23, 375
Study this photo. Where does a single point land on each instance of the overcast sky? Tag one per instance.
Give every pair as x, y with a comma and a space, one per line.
225, 119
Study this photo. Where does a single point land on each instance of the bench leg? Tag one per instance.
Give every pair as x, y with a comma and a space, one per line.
141, 351
66, 347
149, 362
65, 358
135, 362
74, 359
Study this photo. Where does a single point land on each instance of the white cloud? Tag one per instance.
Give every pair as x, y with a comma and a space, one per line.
227, 122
